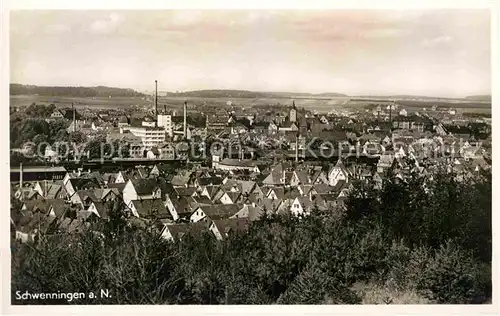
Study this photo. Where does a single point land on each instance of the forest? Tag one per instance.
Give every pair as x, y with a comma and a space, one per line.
77, 92
422, 240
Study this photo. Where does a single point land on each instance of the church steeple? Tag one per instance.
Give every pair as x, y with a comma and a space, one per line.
293, 113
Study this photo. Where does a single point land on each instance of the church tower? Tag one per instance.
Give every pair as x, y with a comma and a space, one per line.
293, 113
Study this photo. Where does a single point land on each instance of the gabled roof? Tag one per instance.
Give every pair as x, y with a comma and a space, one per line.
276, 176
101, 209
270, 205
221, 211
234, 196
89, 194
59, 207
179, 230
224, 226
306, 188
151, 208
302, 176
202, 199
182, 178
322, 188
212, 190
210, 181
145, 186
180, 191
37, 222
251, 212
118, 186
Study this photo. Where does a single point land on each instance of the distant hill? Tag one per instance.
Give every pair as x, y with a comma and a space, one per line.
99, 91
403, 97
248, 94
479, 98
422, 97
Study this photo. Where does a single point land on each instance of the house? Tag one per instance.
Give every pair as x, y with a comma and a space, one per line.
141, 189
306, 189
385, 162
269, 205
182, 179
120, 177
185, 192
57, 114
276, 176
50, 190
338, 173
230, 197
84, 198
272, 127
229, 164
210, 191
150, 209
288, 127
280, 193
74, 182
58, 208
202, 182
27, 194
221, 228
30, 227
175, 232
99, 209
251, 212
300, 177
214, 212
179, 207
303, 205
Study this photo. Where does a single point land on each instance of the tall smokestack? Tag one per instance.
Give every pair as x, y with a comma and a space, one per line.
297, 147
74, 115
21, 180
390, 113
156, 101
185, 119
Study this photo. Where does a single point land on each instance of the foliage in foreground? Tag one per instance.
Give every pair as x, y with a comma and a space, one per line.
279, 260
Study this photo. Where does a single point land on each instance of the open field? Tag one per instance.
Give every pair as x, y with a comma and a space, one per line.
174, 102
26, 100
321, 105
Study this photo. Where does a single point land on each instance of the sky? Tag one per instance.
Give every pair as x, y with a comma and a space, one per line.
356, 52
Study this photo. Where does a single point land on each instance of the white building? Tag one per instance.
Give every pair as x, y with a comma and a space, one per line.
150, 136
165, 121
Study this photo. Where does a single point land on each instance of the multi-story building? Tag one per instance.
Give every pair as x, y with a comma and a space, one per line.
165, 121
217, 123
150, 136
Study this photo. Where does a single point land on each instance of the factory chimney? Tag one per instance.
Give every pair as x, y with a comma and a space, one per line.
21, 180
390, 113
185, 119
74, 115
297, 147
156, 101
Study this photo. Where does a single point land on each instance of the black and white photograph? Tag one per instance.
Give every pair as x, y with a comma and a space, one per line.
171, 156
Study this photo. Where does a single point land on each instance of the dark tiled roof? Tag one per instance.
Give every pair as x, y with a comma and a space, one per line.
145, 186
151, 208
221, 211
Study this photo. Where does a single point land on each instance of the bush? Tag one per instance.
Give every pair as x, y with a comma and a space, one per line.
314, 286
453, 276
